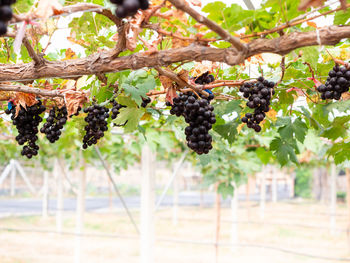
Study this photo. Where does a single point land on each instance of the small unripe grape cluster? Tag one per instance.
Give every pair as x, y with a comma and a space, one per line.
337, 83
145, 102
54, 123
204, 79
5, 14
27, 122
96, 124
115, 109
259, 95
198, 113
129, 7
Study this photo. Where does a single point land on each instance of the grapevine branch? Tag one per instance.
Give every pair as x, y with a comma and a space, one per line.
38, 59
178, 80
81, 7
103, 62
182, 5
36, 91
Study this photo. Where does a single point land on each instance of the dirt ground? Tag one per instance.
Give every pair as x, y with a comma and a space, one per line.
299, 227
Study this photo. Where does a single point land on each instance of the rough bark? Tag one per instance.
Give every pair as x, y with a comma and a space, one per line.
104, 62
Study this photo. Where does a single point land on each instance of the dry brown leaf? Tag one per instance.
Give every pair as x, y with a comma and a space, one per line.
78, 41
133, 31
47, 8
171, 94
305, 4
74, 99
346, 96
24, 100
201, 67
179, 43
166, 82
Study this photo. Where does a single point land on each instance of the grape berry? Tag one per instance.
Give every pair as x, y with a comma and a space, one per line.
54, 123
129, 7
337, 83
27, 122
5, 14
259, 95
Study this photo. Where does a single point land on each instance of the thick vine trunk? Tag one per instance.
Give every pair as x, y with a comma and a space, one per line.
104, 62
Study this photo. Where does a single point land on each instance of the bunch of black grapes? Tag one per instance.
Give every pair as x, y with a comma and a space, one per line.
204, 79
145, 102
337, 83
54, 123
96, 124
198, 113
129, 7
259, 95
27, 122
5, 14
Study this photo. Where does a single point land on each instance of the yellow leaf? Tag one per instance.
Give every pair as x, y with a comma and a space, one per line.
81, 82
70, 54
240, 127
146, 117
312, 24
166, 82
272, 114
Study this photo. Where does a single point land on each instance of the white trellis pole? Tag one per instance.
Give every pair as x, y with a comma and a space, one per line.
79, 224
234, 217
147, 234
59, 206
175, 200
13, 178
333, 198
273, 174
45, 195
262, 194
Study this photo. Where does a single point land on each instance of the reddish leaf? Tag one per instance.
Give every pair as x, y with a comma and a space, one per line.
317, 82
171, 94
305, 4
24, 100
74, 99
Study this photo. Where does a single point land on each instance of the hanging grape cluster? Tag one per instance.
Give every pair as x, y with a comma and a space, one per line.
259, 95
337, 83
204, 79
129, 7
27, 122
115, 109
96, 124
199, 114
5, 14
54, 123
145, 102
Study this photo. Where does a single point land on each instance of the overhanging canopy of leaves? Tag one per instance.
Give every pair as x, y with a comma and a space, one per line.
93, 56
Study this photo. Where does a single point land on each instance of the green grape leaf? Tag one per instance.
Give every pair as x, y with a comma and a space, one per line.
131, 117
283, 150
228, 131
